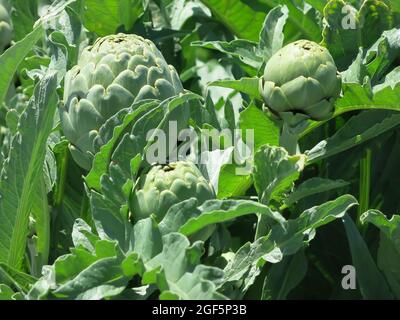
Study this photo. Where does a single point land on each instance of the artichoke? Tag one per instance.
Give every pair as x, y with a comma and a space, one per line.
166, 185
301, 78
5, 27
112, 74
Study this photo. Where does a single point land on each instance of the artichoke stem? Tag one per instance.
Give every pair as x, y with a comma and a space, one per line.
289, 140
262, 226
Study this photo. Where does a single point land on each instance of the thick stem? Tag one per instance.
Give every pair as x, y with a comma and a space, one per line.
39, 243
62, 167
289, 140
365, 186
262, 226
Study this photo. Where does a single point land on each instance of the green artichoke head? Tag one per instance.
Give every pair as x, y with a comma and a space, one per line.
166, 185
301, 78
112, 74
5, 27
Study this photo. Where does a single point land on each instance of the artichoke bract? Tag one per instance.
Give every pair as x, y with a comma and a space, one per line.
301, 78
112, 74
166, 185
5, 27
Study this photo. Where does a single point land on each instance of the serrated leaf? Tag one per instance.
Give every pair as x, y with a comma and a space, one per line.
272, 35
361, 97
341, 35
380, 57
275, 172
88, 275
374, 17
217, 211
243, 51
110, 133
391, 80
181, 274
304, 19
285, 239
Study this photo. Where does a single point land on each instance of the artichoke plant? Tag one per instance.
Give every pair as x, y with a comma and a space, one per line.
166, 185
301, 79
5, 27
112, 74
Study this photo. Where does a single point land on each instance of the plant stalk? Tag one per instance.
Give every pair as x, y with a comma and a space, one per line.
364, 186
262, 227
289, 140
62, 167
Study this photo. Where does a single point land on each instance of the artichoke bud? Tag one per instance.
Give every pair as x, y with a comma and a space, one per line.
166, 185
112, 74
301, 82
5, 27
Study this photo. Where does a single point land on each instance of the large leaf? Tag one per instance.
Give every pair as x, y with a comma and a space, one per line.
23, 169
389, 247
217, 211
341, 35
16, 279
105, 16
272, 35
243, 51
379, 59
371, 281
304, 19
374, 17
24, 16
237, 17
39, 244
285, 239
181, 11
265, 130
314, 186
6, 293
362, 97
275, 172
284, 276
87, 276
245, 85
97, 269
360, 128
12, 58
110, 134
178, 273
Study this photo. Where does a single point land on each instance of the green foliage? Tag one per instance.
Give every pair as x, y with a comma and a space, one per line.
288, 120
